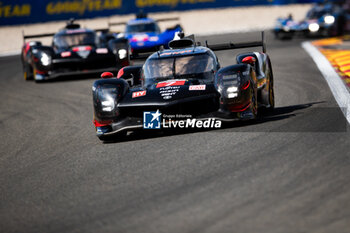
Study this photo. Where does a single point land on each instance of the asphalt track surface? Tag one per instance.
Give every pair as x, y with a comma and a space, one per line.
288, 172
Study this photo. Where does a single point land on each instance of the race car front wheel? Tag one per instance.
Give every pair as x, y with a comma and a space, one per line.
27, 74
254, 106
271, 89
38, 78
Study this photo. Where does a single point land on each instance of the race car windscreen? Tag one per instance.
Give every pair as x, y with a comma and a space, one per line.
69, 40
318, 12
142, 27
189, 67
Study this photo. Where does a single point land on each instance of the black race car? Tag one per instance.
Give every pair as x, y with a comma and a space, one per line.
74, 51
188, 80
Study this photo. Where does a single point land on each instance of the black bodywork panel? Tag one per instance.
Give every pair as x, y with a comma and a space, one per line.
171, 82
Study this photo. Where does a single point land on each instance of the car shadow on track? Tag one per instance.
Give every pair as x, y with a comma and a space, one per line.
73, 78
303, 124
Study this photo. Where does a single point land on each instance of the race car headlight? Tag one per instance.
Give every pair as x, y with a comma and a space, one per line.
232, 92
154, 38
108, 104
120, 35
329, 19
45, 59
122, 53
228, 84
286, 28
314, 27
232, 89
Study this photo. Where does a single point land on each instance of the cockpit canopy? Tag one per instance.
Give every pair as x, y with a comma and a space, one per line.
196, 67
68, 40
142, 27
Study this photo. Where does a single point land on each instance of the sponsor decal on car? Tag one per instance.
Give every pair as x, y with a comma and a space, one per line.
140, 37
82, 51
154, 38
66, 54
138, 94
176, 53
102, 50
168, 92
197, 87
171, 83
82, 48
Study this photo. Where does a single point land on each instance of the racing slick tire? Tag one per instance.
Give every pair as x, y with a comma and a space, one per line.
35, 78
27, 73
271, 89
254, 106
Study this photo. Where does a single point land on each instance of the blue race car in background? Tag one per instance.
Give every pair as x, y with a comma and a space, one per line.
144, 34
285, 27
323, 19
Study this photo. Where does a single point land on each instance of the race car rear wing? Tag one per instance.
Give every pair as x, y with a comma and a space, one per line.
230, 45
157, 20
36, 35
167, 19
141, 56
25, 37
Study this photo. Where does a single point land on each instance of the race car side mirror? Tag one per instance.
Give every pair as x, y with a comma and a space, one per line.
107, 75
249, 60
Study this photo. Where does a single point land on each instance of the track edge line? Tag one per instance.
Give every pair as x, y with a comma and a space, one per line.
336, 85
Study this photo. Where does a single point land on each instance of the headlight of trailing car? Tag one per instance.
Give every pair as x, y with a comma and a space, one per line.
286, 28
108, 104
329, 19
230, 85
314, 27
45, 59
232, 92
122, 53
120, 35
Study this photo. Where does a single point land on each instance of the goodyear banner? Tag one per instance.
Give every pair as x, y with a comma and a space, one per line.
34, 11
